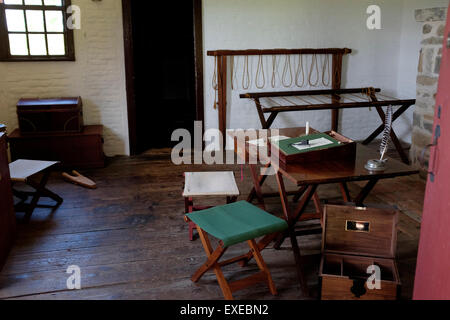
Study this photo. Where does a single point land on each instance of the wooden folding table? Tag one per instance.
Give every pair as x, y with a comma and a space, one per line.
308, 177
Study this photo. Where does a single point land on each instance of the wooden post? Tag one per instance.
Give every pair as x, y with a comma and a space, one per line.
336, 84
222, 96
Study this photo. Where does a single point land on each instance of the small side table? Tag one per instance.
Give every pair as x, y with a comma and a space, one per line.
207, 184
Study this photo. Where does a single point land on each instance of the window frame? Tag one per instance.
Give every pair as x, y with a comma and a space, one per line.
5, 55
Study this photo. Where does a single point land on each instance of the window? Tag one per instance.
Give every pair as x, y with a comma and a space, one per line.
35, 30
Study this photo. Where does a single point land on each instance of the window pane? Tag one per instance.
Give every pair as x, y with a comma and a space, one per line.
37, 44
13, 1
33, 2
35, 20
18, 44
15, 20
54, 20
56, 44
53, 2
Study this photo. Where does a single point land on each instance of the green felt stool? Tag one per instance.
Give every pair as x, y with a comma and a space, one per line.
237, 222
232, 224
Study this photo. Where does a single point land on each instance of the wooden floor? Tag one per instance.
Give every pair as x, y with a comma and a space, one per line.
130, 240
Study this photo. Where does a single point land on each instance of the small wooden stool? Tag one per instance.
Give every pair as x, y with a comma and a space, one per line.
204, 184
232, 224
22, 171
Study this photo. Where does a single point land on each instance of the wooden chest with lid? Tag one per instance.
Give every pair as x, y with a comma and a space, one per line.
59, 115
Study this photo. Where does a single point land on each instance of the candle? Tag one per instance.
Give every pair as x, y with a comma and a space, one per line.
307, 127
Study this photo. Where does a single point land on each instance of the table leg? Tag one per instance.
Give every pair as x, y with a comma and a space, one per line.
301, 191
291, 231
258, 180
261, 180
365, 192
345, 192
301, 207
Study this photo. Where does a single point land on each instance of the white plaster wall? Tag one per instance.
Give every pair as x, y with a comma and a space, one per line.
97, 75
384, 58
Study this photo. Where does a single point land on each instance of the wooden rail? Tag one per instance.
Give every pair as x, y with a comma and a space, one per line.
349, 105
261, 52
257, 95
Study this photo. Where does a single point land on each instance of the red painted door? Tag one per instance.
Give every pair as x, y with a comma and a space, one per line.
433, 262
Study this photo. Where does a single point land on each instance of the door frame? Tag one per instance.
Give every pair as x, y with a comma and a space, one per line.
130, 75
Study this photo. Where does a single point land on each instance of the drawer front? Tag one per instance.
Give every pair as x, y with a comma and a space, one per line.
340, 288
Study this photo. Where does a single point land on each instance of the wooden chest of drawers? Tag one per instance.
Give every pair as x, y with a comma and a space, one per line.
73, 150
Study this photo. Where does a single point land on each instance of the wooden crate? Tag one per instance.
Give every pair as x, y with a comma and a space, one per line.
354, 239
346, 152
41, 116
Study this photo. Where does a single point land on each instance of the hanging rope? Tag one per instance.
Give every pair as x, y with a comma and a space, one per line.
301, 69
215, 83
274, 71
313, 64
286, 69
259, 72
369, 92
246, 82
326, 69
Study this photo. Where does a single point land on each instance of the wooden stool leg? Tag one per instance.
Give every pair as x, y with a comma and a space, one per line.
231, 200
37, 195
191, 231
318, 206
216, 255
262, 266
189, 208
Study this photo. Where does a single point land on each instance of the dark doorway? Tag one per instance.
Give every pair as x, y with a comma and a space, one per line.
164, 62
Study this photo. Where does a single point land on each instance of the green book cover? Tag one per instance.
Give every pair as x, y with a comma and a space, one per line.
318, 141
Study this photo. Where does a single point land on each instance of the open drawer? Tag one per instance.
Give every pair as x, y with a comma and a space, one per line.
345, 277
355, 239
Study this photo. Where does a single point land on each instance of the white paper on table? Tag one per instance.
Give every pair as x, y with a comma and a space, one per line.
313, 144
262, 142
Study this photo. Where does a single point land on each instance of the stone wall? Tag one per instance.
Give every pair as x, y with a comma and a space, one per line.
427, 79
